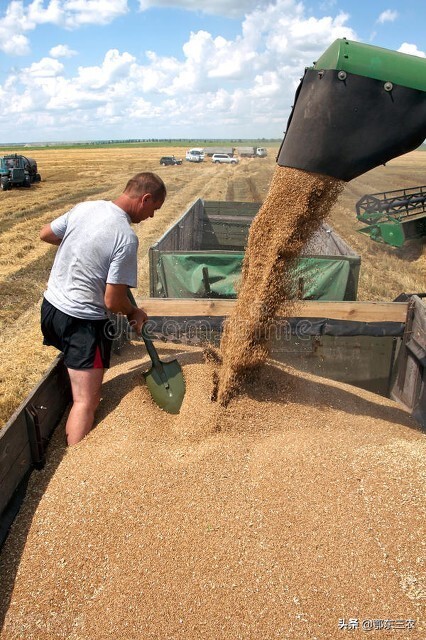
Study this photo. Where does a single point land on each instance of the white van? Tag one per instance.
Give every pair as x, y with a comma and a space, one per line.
195, 155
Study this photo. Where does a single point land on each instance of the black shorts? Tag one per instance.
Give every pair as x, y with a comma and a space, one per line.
84, 343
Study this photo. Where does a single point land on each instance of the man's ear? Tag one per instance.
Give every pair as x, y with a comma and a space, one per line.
147, 197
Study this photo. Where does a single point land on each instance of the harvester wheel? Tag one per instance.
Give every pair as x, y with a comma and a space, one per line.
5, 186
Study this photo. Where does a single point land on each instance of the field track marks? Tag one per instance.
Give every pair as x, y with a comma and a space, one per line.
242, 185
21, 246
22, 289
63, 203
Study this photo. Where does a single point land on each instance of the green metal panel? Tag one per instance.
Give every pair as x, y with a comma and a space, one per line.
389, 232
375, 62
392, 233
180, 275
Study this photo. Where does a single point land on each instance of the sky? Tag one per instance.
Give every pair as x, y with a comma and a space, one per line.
75, 70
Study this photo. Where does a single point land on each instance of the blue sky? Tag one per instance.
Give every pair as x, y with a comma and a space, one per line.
113, 69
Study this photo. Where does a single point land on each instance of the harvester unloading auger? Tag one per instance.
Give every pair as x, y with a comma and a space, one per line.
356, 108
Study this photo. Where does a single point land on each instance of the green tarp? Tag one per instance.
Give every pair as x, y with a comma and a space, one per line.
180, 275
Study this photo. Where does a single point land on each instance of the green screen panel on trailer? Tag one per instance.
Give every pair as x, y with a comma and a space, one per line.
356, 108
183, 275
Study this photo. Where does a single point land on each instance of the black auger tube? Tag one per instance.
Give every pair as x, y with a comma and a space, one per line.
343, 125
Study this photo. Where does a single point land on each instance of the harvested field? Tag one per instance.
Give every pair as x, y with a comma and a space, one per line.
301, 504
72, 175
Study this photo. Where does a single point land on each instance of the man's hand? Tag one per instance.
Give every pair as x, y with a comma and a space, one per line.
117, 301
137, 319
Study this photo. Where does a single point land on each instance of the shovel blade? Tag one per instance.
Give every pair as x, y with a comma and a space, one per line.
167, 390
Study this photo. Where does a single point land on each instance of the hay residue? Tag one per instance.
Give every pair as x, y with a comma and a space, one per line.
295, 206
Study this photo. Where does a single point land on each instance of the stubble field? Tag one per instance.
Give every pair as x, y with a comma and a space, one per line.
70, 176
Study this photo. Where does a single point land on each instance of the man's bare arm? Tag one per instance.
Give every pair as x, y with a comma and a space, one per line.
47, 235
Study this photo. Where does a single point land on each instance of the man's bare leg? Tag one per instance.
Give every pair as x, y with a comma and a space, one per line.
86, 392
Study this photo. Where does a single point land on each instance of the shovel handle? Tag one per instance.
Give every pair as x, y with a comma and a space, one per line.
152, 351
156, 362
131, 296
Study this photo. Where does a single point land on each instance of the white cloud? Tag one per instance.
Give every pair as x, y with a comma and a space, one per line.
39, 13
114, 67
242, 86
79, 12
231, 9
20, 18
387, 16
411, 49
62, 51
46, 68
12, 40
266, 85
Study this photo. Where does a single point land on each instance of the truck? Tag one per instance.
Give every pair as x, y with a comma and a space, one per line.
18, 171
252, 152
211, 151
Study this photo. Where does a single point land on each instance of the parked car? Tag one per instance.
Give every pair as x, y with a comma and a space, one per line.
223, 157
195, 155
167, 160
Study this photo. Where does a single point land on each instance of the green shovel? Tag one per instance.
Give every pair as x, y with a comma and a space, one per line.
164, 380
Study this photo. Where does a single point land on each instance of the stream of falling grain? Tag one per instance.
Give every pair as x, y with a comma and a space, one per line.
294, 208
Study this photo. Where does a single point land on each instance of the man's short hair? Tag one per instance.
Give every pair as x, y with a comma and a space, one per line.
146, 182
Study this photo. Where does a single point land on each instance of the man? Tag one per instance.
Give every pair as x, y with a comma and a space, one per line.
95, 264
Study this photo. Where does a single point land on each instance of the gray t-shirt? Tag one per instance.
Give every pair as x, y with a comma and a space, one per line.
98, 247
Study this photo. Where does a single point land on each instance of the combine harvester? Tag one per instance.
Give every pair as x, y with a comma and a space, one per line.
394, 216
346, 120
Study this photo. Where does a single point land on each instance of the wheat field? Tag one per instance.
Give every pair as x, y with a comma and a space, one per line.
72, 175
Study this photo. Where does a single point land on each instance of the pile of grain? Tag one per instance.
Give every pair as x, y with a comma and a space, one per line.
295, 206
301, 503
